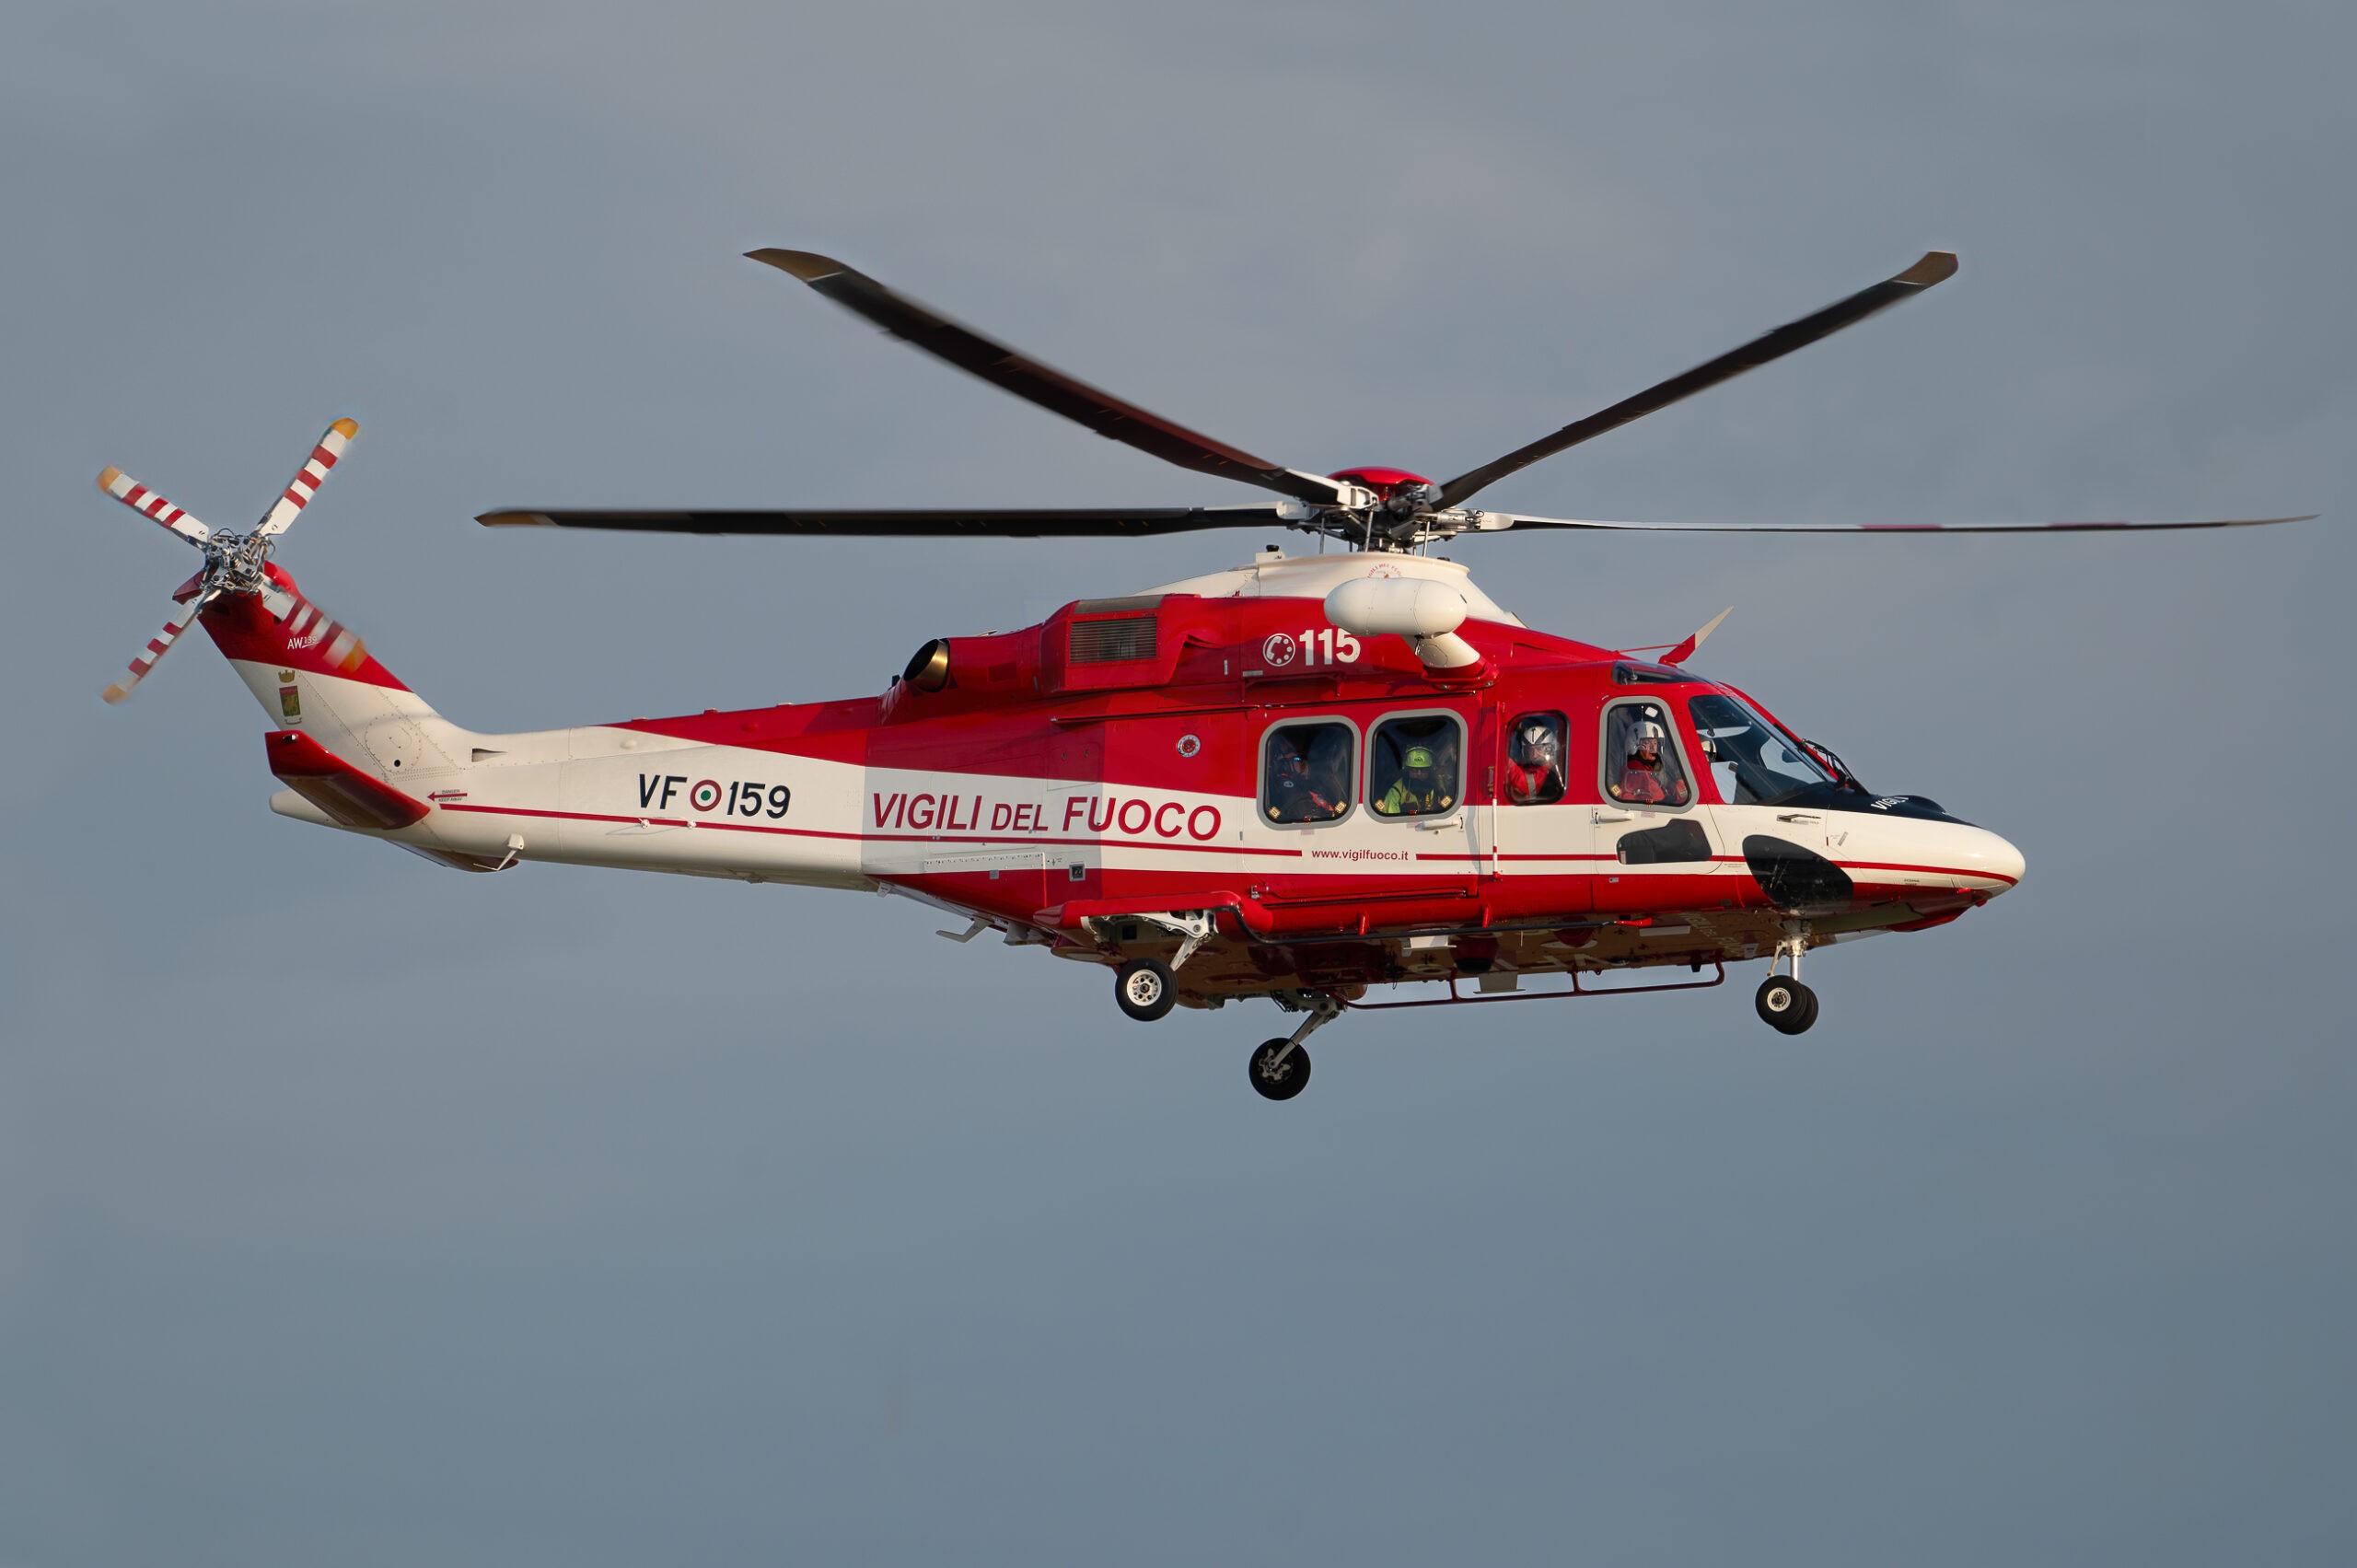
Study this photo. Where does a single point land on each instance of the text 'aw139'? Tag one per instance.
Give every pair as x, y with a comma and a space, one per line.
1299, 779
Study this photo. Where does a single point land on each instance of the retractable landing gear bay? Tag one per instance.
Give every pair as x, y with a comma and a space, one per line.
1280, 1068
1784, 1004
1145, 989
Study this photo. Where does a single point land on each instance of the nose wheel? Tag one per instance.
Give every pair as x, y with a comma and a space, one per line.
1786, 1004
1783, 1002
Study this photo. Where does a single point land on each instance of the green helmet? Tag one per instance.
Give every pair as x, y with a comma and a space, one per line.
1418, 757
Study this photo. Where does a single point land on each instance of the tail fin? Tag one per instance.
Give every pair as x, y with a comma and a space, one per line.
313, 674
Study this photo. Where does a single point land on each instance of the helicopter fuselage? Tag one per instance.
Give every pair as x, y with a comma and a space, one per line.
1213, 761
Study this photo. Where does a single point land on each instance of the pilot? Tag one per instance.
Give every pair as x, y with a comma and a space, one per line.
1419, 790
1293, 798
1648, 780
1533, 764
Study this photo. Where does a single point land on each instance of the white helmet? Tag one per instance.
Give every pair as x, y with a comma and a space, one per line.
1644, 730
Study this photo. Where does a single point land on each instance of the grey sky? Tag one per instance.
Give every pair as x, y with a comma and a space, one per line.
355, 1211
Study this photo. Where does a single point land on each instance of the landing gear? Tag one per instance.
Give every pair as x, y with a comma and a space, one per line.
1145, 989
1783, 1002
1786, 1004
1280, 1068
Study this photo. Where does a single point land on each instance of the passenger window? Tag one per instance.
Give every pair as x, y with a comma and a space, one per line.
1415, 766
1305, 771
1641, 761
1534, 770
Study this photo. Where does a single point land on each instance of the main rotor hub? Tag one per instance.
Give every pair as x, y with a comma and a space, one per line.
1401, 518
1386, 482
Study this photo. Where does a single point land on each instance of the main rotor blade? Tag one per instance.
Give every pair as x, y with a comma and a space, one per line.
149, 505
160, 644
1516, 520
305, 483
1935, 266
1074, 523
1109, 416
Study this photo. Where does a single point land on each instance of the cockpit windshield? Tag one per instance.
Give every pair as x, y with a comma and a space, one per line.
1754, 762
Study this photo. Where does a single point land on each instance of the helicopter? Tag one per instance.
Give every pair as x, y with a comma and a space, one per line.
1307, 778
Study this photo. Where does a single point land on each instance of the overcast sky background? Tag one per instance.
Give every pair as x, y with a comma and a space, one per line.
353, 1210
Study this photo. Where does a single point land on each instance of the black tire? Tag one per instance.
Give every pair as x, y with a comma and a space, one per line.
1785, 1005
1145, 989
1284, 1080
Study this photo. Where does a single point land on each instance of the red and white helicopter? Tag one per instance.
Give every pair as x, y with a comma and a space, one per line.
1298, 779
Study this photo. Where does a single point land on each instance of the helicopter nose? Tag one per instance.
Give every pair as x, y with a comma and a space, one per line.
1995, 858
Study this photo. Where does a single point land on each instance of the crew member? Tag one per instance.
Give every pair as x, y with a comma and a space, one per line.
1649, 779
1534, 765
1293, 798
1419, 790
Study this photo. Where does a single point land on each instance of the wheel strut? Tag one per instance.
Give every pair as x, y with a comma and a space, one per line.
1322, 1013
1280, 1068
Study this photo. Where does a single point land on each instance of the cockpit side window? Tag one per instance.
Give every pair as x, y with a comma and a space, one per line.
1642, 766
1415, 765
1307, 770
1533, 772
1753, 762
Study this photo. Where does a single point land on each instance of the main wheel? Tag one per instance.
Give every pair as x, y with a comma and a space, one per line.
1280, 1080
1785, 1003
1145, 989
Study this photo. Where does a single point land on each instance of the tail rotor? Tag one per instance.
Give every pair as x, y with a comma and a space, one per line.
234, 562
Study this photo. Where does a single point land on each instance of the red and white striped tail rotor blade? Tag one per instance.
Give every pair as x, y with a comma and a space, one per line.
160, 644
149, 505
307, 480
306, 625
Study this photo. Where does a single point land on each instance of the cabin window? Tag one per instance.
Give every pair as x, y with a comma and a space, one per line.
1753, 762
1416, 765
1533, 775
1641, 765
1306, 770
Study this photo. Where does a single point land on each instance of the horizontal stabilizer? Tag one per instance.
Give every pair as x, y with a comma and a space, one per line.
351, 798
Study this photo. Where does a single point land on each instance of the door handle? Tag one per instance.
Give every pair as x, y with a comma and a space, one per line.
1797, 816
1441, 826
1607, 817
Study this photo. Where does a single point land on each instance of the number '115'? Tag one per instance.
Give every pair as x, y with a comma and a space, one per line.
1325, 645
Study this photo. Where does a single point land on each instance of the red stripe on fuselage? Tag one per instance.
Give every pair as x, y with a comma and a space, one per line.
866, 838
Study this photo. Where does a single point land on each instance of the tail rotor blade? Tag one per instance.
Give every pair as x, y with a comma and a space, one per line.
307, 480
160, 644
154, 507
308, 626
